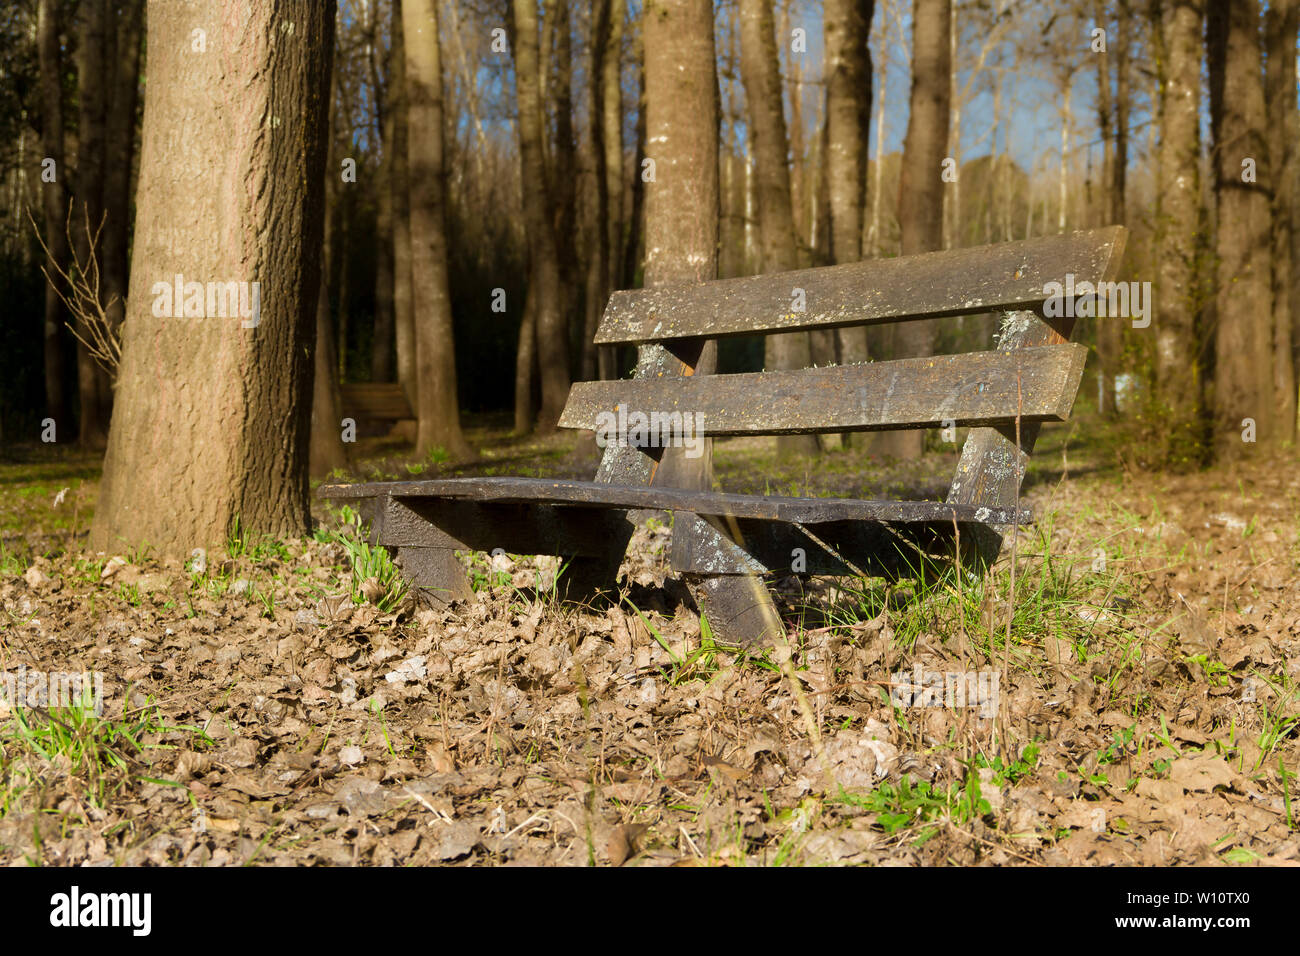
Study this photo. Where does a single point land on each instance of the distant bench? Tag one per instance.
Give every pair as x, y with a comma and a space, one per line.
724, 543
375, 404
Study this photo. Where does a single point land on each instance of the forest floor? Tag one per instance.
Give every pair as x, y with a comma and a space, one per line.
283, 702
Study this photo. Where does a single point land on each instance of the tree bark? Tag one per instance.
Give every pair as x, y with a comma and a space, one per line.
1243, 386
551, 334
1282, 20
437, 406
920, 189
213, 415
1180, 221
760, 72
55, 207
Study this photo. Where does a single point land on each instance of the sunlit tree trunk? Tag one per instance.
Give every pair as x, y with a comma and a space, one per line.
551, 333
1180, 219
1243, 382
761, 74
920, 188
213, 413
437, 407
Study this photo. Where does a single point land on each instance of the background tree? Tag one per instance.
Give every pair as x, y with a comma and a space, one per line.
55, 206
1178, 368
848, 109
212, 418
764, 99
550, 330
920, 189
1280, 75
437, 406
1243, 385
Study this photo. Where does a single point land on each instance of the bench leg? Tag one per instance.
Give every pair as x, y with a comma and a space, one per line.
435, 573
739, 609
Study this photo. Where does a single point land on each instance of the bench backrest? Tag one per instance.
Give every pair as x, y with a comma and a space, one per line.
1032, 376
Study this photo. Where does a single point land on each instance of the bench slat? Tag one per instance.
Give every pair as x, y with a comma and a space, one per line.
976, 388
999, 277
377, 400
545, 491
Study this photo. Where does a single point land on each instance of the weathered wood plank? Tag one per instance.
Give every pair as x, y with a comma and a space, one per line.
1001, 277
976, 388
447, 500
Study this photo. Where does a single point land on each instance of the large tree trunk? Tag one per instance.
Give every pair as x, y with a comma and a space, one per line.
1178, 366
55, 207
920, 190
551, 333
1280, 77
681, 204
400, 193
89, 192
1243, 386
760, 71
213, 413
437, 406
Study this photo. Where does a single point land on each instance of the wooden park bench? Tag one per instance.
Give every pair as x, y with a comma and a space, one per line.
724, 543
375, 404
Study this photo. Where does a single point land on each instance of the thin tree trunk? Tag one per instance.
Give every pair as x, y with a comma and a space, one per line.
212, 420
636, 204
400, 192
798, 166
437, 406
612, 139
551, 330
1282, 20
597, 204
382, 355
526, 361
761, 74
55, 207
1107, 342
1243, 386
848, 104
562, 181
920, 198
326, 450
89, 194
1178, 366
123, 74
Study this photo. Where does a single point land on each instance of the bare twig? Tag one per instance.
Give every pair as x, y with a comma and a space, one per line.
91, 326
